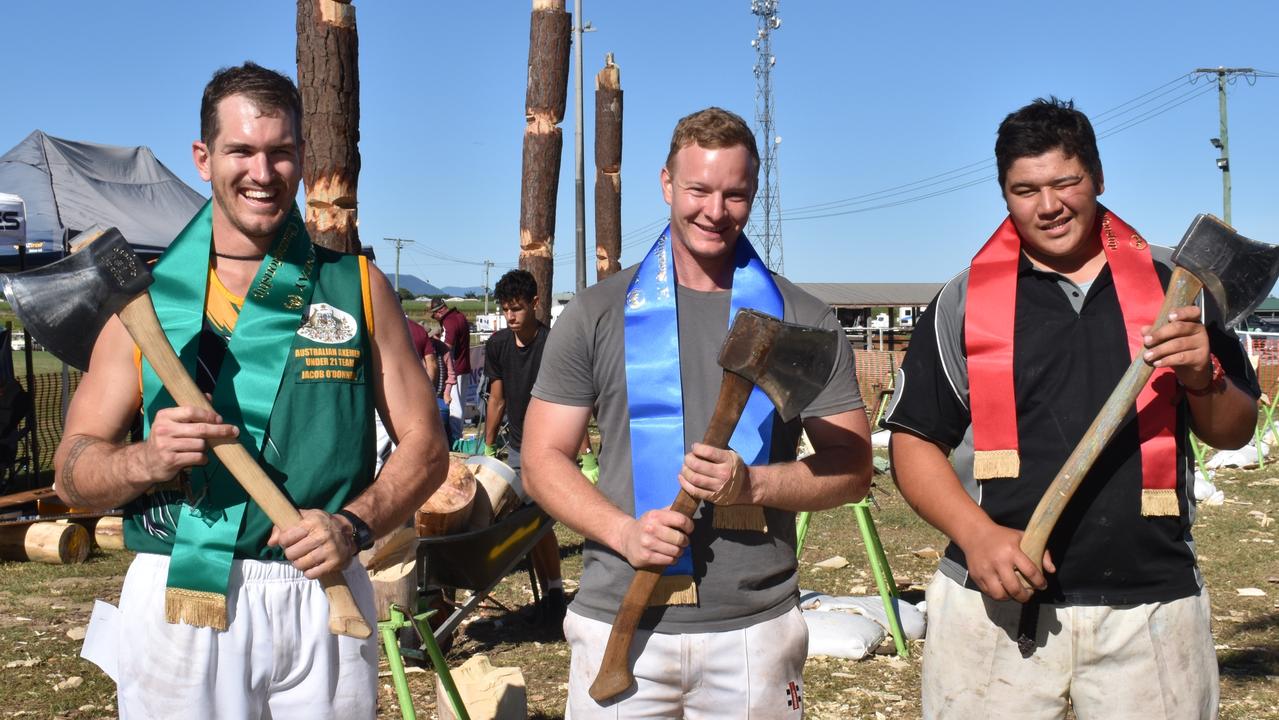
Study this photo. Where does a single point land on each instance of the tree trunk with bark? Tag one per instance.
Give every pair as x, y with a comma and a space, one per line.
608, 170
329, 79
549, 38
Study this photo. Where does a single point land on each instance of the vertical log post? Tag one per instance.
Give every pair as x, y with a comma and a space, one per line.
329, 79
608, 170
549, 36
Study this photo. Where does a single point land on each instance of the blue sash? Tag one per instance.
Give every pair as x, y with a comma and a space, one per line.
654, 391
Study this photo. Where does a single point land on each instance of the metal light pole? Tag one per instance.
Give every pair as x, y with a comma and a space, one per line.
579, 185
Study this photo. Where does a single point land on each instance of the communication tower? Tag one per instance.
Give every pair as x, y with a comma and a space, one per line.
766, 231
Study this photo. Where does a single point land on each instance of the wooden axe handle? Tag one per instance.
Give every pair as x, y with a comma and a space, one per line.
140, 320
1182, 289
614, 676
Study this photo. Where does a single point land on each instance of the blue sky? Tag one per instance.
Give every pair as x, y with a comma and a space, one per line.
870, 97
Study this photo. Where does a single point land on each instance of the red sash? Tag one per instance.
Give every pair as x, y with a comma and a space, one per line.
988, 322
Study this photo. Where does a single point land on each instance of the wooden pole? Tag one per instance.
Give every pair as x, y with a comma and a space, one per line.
608, 170
550, 28
329, 79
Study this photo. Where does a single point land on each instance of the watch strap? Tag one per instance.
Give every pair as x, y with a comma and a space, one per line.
361, 533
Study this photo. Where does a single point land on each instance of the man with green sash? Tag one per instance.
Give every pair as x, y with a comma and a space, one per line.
1008, 368
724, 638
221, 614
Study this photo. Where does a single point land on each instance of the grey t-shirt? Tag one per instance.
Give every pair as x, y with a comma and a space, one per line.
742, 577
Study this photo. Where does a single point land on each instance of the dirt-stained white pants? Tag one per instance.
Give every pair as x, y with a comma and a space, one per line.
1151, 661
276, 660
756, 672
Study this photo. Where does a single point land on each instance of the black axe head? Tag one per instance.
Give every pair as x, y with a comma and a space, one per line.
790, 363
65, 304
1236, 271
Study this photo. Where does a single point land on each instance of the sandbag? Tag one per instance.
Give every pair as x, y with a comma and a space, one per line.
841, 634
913, 621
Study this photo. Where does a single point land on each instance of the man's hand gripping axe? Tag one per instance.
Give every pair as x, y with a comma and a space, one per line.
66, 304
791, 364
1211, 256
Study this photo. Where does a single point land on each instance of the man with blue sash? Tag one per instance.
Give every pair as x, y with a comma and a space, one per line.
221, 614
724, 638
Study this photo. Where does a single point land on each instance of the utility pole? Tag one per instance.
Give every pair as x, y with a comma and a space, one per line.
578, 151
399, 243
487, 264
1222, 142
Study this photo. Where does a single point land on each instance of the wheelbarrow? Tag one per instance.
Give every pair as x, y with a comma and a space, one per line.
476, 561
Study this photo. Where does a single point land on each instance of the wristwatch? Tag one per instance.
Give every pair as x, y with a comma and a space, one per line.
1215, 385
361, 534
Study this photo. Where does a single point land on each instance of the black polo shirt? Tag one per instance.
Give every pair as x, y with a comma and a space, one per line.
1069, 351
517, 368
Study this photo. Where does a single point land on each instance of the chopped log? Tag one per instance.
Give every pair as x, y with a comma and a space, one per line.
548, 51
109, 533
391, 563
47, 542
608, 170
449, 507
329, 80
497, 693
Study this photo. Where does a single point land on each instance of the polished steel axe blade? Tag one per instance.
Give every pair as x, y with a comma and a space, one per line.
64, 305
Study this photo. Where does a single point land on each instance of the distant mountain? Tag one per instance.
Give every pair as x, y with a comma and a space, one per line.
415, 285
420, 287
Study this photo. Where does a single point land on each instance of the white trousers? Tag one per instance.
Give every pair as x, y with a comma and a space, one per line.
1111, 662
277, 659
457, 403
756, 672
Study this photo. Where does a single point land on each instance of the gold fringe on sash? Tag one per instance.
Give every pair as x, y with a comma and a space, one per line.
674, 590
990, 464
195, 607
1159, 502
740, 517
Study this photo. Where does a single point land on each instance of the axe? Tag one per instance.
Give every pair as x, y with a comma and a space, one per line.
791, 364
66, 304
1238, 273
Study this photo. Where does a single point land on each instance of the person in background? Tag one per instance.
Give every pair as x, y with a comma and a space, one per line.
1008, 368
457, 335
512, 357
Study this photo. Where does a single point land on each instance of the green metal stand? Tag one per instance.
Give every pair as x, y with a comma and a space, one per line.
1266, 426
1200, 449
878, 566
390, 631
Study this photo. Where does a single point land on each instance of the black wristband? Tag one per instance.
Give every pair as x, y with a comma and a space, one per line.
361, 534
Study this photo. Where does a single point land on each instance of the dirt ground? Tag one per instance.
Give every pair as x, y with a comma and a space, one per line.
44, 608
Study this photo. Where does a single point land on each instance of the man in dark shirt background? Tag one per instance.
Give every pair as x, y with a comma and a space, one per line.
511, 360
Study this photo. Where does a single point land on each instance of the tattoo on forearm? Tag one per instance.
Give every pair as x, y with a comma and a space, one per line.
67, 482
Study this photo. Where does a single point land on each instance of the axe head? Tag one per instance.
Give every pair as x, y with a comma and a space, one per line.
65, 304
790, 363
1236, 271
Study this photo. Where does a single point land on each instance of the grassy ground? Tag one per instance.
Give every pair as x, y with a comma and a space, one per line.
43, 610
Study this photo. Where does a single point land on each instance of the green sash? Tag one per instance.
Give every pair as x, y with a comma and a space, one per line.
247, 384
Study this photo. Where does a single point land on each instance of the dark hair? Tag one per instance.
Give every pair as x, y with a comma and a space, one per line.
515, 285
712, 128
269, 91
1044, 126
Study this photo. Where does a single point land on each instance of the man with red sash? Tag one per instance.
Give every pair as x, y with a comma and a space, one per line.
1007, 369
221, 614
724, 638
